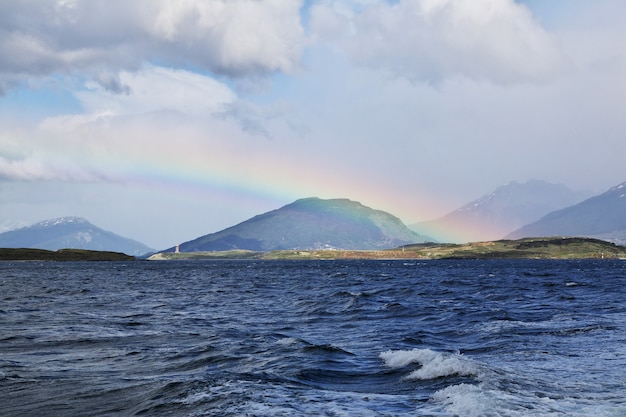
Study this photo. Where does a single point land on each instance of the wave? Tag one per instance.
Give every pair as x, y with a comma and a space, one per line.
433, 364
490, 400
489, 391
267, 399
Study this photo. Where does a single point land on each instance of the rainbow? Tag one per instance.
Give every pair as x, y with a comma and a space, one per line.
259, 182
259, 188
272, 190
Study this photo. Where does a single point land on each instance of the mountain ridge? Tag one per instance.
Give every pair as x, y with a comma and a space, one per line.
500, 212
602, 217
70, 232
311, 223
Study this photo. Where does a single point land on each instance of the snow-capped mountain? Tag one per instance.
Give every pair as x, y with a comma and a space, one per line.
70, 232
600, 217
498, 213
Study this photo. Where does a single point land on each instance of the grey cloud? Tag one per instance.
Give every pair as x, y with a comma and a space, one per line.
248, 118
237, 38
112, 83
492, 40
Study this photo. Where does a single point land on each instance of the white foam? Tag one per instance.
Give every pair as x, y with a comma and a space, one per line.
483, 399
262, 399
465, 400
288, 341
468, 400
433, 364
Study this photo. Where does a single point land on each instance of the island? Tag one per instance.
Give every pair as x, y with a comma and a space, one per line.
527, 248
29, 254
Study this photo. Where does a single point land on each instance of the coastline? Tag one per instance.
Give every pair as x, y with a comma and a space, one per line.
61, 255
527, 248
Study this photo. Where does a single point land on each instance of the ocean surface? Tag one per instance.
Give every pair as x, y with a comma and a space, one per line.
313, 338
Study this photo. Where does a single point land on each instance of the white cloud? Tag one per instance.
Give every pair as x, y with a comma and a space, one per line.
431, 40
157, 88
233, 37
167, 118
415, 107
434, 40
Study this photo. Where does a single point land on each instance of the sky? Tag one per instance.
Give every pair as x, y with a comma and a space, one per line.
163, 121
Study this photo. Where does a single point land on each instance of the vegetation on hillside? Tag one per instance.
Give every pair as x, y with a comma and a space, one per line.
308, 224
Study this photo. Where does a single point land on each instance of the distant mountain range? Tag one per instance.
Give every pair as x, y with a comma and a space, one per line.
311, 223
501, 212
70, 232
601, 217
513, 211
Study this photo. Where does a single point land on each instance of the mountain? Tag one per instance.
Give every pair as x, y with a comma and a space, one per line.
311, 223
70, 232
496, 214
600, 217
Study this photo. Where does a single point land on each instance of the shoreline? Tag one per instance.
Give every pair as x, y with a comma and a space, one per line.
527, 248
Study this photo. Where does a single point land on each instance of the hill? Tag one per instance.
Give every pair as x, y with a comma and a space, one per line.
531, 248
311, 223
70, 232
601, 217
494, 215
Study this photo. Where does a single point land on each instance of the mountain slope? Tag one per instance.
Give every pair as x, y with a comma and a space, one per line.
311, 223
500, 212
70, 232
600, 217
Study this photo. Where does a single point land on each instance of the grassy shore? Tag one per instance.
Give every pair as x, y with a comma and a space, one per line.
530, 248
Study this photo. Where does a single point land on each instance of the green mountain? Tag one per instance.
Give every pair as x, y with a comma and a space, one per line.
601, 217
70, 232
311, 223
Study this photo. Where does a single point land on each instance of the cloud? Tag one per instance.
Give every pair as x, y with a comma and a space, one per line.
171, 121
237, 38
434, 40
171, 125
112, 82
414, 107
233, 37
425, 40
156, 88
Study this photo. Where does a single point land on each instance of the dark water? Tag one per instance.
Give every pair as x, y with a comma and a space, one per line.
333, 338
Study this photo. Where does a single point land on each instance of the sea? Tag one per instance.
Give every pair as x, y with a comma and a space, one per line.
466, 338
